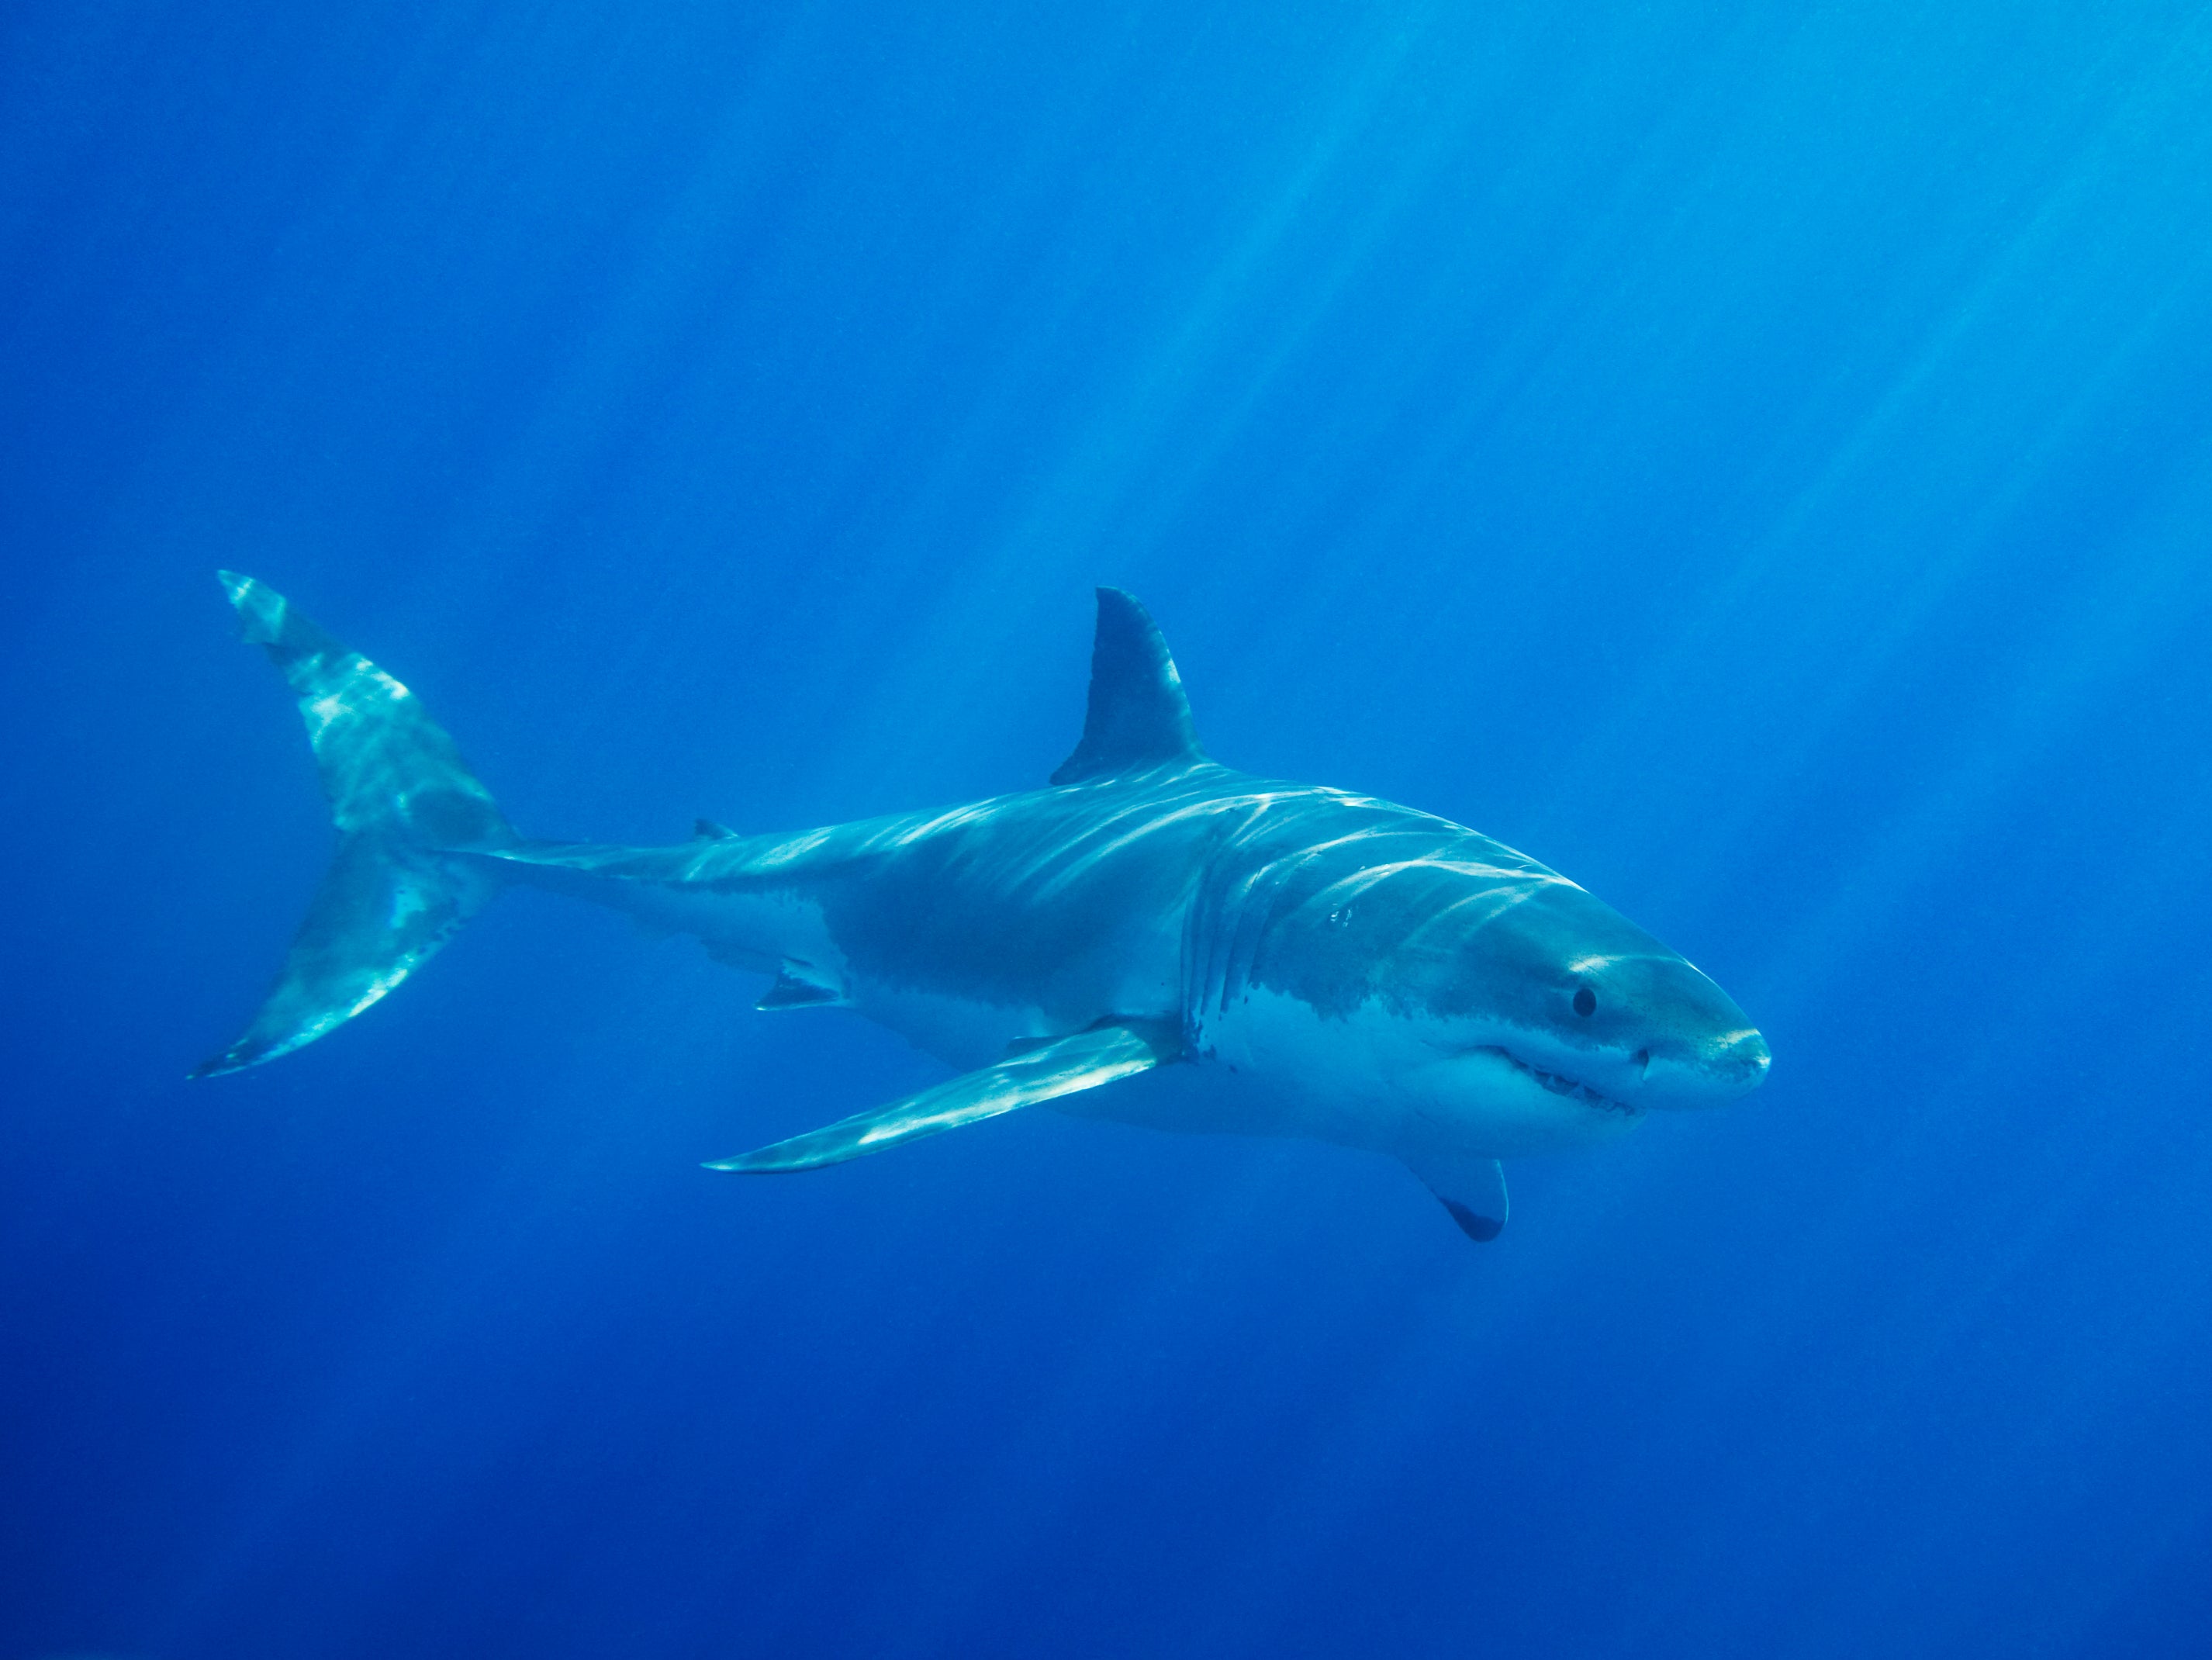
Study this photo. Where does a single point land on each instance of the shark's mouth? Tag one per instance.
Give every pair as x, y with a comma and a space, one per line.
1559, 1084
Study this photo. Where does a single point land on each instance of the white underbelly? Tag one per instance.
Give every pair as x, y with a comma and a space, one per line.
1272, 1065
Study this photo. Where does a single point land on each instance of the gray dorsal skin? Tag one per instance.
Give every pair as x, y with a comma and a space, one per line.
1154, 937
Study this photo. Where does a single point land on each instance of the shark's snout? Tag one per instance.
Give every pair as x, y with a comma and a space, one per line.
1709, 1074
1747, 1058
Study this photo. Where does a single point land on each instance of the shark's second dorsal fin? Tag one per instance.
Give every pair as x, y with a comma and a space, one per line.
1138, 718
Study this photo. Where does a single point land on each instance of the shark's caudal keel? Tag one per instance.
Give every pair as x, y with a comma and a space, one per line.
1153, 938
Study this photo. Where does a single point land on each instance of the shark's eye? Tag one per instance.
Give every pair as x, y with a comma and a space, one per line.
1585, 1001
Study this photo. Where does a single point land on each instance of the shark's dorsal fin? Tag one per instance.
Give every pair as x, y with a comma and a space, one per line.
1138, 718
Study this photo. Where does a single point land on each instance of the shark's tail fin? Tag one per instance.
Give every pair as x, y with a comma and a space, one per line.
407, 811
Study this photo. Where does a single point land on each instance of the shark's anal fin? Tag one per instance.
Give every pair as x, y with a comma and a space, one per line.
801, 986
1472, 1189
1083, 1060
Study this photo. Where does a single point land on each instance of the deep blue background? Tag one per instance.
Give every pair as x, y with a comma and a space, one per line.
1756, 457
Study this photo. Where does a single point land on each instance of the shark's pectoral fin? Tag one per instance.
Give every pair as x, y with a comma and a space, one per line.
1083, 1060
801, 986
1472, 1189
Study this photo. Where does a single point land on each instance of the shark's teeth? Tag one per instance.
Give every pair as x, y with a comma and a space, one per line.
1559, 1084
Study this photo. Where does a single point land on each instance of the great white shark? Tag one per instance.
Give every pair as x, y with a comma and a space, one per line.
1153, 938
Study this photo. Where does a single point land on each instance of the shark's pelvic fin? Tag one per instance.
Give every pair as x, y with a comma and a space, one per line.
1082, 1061
1137, 718
1472, 1189
801, 986
401, 799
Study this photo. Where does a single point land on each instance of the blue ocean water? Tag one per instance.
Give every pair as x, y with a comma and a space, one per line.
1757, 459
